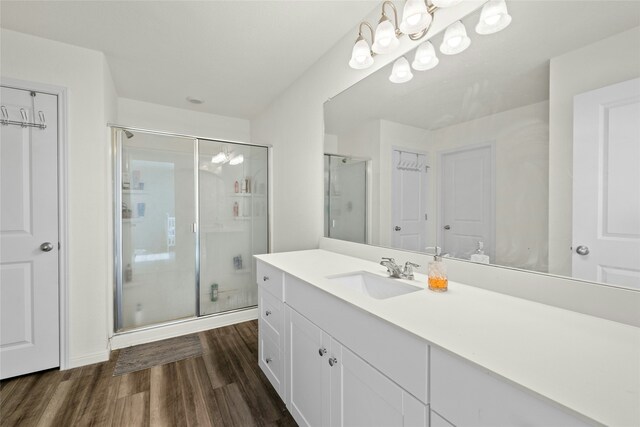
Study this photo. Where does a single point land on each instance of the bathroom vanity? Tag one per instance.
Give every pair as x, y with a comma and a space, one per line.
340, 355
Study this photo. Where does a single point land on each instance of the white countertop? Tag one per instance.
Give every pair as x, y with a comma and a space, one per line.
585, 363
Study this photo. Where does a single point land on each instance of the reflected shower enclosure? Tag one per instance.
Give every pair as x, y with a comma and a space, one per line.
345, 198
189, 216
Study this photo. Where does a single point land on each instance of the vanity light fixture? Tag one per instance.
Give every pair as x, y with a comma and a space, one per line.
236, 160
362, 56
401, 72
493, 18
425, 58
455, 39
417, 17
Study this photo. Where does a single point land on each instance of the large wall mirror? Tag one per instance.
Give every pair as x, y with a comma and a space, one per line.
522, 151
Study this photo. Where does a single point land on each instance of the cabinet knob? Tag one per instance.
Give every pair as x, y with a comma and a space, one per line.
267, 313
333, 361
265, 278
322, 351
268, 360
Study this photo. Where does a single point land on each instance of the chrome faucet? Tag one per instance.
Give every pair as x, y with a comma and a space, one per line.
396, 271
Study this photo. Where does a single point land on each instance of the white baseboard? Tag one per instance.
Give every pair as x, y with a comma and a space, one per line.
89, 359
161, 332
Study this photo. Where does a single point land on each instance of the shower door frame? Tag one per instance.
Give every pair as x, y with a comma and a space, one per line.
116, 159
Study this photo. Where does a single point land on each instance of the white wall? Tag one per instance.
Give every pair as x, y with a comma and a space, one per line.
294, 125
169, 119
90, 97
612, 60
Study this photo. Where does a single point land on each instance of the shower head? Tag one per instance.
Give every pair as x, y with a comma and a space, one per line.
128, 134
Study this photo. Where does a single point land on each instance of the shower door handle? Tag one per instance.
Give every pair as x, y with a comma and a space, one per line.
194, 228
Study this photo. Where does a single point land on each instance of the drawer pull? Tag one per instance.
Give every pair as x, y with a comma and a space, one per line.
265, 278
333, 361
268, 360
267, 313
322, 351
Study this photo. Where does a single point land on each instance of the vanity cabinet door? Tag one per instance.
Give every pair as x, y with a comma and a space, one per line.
307, 391
362, 396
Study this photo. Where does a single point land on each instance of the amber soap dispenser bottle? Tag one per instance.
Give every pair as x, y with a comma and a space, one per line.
437, 272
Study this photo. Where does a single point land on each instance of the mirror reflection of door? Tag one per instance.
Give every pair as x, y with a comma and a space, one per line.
409, 201
606, 185
466, 197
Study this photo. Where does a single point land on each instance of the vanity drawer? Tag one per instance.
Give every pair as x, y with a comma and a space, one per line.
271, 312
270, 279
271, 360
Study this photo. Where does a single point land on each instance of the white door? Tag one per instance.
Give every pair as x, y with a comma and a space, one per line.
606, 185
409, 208
467, 201
29, 233
307, 376
362, 396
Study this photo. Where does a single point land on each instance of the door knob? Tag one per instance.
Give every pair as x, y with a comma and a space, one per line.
447, 227
397, 228
582, 250
46, 247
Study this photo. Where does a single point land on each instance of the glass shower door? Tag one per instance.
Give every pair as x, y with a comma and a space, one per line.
233, 223
156, 223
345, 203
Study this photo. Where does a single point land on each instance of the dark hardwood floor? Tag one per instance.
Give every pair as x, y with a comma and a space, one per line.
223, 387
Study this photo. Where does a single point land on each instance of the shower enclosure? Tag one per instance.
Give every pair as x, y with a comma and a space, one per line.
190, 214
345, 198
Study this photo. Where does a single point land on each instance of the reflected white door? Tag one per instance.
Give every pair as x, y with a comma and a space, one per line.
467, 201
409, 208
29, 228
606, 184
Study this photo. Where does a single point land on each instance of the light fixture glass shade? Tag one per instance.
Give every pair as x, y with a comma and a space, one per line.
455, 39
219, 158
401, 71
415, 17
236, 160
425, 58
493, 18
361, 55
386, 40
445, 3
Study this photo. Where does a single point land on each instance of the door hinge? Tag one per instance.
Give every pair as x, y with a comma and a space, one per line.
59, 246
425, 217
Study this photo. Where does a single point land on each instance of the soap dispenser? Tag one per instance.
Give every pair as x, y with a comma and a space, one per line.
480, 256
437, 272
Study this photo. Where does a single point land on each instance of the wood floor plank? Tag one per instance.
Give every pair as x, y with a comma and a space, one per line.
132, 411
30, 409
166, 405
134, 383
235, 407
58, 401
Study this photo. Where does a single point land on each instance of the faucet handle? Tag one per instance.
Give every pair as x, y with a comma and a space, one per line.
410, 264
389, 259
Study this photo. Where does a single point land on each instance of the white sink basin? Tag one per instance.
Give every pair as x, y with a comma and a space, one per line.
373, 285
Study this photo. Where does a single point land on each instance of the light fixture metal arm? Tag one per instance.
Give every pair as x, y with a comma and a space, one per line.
373, 34
395, 15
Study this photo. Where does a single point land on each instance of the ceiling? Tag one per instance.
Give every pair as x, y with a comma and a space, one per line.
237, 56
496, 73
